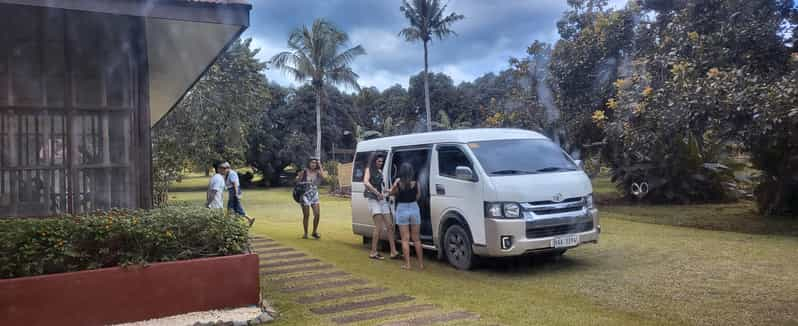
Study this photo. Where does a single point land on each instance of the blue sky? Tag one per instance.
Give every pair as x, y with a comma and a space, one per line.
491, 33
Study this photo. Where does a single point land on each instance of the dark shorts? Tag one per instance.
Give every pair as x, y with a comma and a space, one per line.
234, 204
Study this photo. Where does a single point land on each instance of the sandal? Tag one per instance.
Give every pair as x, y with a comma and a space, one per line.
376, 257
406, 267
316, 236
305, 236
396, 257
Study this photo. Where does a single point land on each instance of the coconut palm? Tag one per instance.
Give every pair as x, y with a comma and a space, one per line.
427, 19
315, 55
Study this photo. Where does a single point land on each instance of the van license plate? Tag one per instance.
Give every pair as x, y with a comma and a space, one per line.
565, 241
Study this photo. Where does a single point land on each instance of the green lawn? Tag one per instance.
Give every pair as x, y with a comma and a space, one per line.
639, 273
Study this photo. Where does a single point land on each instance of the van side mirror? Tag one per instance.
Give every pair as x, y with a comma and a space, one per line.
579, 164
464, 173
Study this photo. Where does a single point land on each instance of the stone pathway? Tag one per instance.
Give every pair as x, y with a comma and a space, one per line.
339, 297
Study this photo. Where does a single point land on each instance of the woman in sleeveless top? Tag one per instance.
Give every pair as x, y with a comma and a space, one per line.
378, 206
408, 214
312, 177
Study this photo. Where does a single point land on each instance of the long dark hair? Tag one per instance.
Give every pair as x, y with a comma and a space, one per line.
406, 175
373, 162
318, 164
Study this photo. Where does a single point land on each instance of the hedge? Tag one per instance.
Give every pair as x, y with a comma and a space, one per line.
31, 247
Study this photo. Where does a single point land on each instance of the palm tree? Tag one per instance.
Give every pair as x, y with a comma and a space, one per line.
427, 19
314, 56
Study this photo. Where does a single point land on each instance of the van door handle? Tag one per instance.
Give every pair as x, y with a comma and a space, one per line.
440, 190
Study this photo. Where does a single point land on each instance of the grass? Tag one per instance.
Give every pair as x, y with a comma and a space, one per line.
735, 217
639, 273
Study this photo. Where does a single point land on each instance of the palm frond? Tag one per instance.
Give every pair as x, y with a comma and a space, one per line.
348, 56
411, 34
343, 76
426, 19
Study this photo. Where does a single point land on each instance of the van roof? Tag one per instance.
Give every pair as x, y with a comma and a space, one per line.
450, 136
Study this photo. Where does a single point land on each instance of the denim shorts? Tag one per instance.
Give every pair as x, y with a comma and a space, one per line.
234, 203
408, 213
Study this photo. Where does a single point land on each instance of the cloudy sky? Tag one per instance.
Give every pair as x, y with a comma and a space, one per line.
492, 32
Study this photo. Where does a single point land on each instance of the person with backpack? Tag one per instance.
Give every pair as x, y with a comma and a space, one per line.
234, 192
408, 214
308, 182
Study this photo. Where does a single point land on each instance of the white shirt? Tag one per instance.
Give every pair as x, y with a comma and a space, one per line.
216, 184
232, 180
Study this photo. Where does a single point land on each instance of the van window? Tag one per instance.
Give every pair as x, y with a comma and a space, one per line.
361, 163
521, 156
449, 158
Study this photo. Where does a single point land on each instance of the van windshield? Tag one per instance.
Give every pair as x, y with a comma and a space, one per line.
521, 156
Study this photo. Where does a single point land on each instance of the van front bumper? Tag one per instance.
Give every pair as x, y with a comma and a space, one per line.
498, 229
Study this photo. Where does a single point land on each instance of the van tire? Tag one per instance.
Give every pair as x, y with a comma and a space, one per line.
457, 247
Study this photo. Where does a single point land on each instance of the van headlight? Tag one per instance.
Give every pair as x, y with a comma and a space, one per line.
502, 210
512, 210
589, 201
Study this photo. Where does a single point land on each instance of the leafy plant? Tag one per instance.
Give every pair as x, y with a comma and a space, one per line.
31, 247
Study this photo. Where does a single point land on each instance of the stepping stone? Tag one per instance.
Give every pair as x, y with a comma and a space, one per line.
361, 304
382, 313
339, 295
274, 251
266, 245
311, 277
289, 263
297, 269
275, 257
327, 285
433, 319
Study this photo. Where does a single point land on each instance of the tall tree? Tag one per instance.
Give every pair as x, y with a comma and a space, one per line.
427, 18
213, 120
315, 55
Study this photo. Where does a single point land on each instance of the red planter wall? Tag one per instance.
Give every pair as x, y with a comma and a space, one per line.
115, 295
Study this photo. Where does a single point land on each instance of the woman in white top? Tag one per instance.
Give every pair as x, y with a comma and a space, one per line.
378, 206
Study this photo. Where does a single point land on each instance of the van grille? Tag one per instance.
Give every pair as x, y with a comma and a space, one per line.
557, 210
574, 204
549, 231
549, 202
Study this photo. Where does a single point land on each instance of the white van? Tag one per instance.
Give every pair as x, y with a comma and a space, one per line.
486, 192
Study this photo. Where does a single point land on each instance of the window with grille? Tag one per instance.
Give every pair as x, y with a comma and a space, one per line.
68, 105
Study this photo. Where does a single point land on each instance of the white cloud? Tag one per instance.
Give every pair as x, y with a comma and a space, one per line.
382, 79
269, 48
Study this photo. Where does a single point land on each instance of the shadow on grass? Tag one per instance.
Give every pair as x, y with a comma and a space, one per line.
531, 264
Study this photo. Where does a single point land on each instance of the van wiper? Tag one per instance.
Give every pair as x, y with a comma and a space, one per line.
511, 172
553, 169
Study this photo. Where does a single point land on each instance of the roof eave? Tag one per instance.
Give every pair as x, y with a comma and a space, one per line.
235, 13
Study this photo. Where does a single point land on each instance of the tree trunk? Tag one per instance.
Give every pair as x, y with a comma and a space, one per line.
426, 90
318, 121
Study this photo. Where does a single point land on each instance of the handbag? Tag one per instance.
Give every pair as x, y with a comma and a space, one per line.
300, 188
299, 191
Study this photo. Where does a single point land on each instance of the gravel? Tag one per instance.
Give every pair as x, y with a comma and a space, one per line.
228, 315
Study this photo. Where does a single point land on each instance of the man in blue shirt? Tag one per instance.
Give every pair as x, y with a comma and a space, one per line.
234, 190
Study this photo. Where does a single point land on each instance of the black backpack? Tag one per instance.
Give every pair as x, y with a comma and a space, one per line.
300, 188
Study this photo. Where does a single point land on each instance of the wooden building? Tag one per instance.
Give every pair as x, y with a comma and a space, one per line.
82, 82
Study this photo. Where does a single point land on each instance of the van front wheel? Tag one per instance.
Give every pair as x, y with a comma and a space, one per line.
457, 245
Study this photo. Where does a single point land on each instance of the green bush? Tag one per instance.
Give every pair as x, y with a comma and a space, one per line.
31, 247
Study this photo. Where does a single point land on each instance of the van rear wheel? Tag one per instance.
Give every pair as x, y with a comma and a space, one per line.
457, 246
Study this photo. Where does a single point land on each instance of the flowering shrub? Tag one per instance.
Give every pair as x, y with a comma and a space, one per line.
31, 247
